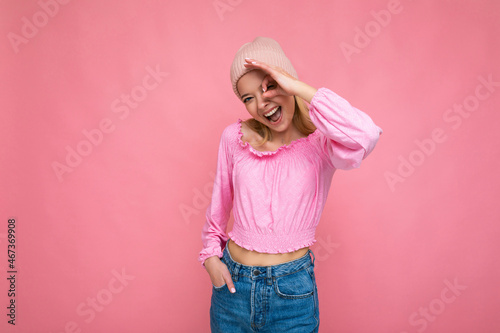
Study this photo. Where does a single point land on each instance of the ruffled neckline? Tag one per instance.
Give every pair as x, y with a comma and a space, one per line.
269, 152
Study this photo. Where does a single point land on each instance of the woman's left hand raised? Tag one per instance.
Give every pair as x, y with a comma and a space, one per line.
286, 84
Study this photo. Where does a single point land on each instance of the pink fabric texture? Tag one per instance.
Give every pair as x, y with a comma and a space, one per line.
277, 197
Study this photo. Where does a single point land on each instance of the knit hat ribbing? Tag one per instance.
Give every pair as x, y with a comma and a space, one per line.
262, 49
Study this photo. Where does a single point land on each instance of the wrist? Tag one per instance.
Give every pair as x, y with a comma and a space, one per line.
305, 91
209, 260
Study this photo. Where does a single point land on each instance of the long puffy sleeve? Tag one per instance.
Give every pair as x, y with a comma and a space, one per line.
349, 135
213, 234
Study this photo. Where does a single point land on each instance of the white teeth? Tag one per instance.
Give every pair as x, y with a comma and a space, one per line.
271, 112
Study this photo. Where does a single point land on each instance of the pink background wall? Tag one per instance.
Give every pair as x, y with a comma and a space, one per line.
108, 169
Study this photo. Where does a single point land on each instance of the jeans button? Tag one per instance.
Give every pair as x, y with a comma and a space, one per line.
256, 272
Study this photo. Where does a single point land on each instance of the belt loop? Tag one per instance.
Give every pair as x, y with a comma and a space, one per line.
269, 276
314, 258
236, 270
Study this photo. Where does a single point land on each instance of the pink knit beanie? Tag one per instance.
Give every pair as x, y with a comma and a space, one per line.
262, 49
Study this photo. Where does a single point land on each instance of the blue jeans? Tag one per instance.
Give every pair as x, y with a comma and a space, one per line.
277, 298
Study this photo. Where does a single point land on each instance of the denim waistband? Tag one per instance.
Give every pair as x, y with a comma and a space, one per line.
262, 272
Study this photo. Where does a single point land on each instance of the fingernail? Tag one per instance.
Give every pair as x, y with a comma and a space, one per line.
253, 62
233, 290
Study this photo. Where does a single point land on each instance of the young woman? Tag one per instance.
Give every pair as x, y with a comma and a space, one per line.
274, 171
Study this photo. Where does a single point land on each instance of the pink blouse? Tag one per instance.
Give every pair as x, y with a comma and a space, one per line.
277, 197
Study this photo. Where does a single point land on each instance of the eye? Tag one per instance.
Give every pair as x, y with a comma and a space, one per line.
246, 99
271, 86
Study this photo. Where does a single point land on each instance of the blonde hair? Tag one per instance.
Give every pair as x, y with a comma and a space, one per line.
300, 119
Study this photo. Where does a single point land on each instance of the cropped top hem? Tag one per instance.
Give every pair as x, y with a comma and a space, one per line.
272, 243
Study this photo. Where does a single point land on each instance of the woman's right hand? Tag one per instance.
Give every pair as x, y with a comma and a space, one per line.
219, 274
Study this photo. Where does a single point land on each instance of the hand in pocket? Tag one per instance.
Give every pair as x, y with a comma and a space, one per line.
219, 273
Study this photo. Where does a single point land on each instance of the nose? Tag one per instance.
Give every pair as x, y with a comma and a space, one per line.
262, 102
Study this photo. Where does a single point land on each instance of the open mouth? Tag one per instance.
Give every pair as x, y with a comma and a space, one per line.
274, 116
